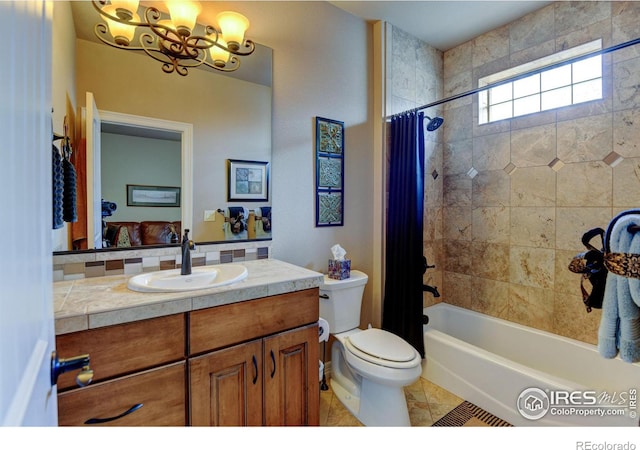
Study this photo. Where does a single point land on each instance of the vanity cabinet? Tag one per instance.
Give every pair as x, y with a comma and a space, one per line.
247, 363
258, 362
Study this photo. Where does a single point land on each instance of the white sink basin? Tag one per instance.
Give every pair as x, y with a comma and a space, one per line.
201, 277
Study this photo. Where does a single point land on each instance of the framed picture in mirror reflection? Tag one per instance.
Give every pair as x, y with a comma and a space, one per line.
139, 195
247, 180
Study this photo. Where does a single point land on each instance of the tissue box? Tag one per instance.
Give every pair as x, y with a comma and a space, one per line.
339, 269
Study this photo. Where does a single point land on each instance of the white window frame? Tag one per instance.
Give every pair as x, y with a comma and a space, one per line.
534, 68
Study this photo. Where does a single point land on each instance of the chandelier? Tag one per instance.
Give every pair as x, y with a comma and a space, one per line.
179, 43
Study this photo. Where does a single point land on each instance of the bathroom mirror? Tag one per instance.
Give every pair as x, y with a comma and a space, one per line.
230, 115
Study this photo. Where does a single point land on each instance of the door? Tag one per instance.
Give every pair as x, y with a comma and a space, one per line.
91, 128
26, 304
226, 386
291, 378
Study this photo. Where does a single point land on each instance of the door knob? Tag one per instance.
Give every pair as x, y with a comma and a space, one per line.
62, 365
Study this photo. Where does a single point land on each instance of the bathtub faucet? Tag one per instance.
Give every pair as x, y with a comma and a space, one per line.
432, 289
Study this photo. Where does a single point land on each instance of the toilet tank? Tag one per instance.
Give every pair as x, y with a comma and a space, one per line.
341, 300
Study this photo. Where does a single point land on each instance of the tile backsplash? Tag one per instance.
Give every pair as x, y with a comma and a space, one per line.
76, 265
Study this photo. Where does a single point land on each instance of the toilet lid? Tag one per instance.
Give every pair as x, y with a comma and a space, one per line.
382, 346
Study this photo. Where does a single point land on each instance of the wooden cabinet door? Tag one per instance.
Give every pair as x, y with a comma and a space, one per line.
161, 392
292, 392
226, 386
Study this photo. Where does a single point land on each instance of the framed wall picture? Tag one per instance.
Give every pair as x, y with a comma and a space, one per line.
329, 172
139, 195
247, 180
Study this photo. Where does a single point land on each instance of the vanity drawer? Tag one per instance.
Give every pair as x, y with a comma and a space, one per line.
126, 348
226, 325
161, 392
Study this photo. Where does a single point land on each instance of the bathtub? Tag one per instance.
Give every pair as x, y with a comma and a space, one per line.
490, 362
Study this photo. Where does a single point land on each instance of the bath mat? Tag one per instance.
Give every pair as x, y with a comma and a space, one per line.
467, 414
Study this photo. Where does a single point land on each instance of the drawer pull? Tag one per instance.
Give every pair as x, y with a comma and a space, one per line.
273, 361
109, 419
255, 369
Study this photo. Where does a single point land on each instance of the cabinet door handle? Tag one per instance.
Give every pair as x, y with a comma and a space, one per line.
273, 361
109, 419
255, 369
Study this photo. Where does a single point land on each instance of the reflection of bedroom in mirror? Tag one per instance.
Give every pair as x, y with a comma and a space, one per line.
139, 195
129, 83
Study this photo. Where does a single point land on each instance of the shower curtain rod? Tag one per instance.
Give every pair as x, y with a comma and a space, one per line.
613, 48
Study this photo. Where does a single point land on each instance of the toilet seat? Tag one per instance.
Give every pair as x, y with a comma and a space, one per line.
382, 348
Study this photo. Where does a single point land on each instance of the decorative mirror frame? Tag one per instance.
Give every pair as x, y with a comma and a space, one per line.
329, 172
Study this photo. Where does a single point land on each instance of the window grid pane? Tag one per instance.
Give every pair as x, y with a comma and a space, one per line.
587, 69
500, 111
556, 98
556, 78
526, 86
500, 94
587, 91
526, 105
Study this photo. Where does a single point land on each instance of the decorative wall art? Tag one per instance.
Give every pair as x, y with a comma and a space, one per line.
329, 172
138, 195
247, 181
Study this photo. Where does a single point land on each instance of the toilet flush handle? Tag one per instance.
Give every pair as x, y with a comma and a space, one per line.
324, 296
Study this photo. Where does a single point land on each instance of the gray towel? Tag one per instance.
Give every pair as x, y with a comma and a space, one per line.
57, 187
69, 210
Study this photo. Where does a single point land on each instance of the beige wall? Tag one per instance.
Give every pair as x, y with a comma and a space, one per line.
63, 79
321, 67
504, 237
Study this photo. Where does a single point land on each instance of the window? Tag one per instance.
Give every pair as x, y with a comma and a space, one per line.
562, 85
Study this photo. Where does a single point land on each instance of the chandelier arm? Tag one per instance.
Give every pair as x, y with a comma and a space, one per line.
161, 53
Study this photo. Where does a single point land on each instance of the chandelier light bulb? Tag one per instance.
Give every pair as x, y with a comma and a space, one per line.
122, 33
218, 55
184, 15
125, 9
233, 26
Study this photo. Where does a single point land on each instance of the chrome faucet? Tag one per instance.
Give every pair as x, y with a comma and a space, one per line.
187, 246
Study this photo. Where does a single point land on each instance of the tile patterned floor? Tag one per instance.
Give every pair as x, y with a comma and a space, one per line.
426, 401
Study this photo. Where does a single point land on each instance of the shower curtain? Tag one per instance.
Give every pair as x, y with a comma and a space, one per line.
402, 308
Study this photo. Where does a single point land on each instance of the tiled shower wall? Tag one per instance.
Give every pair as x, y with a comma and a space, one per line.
513, 198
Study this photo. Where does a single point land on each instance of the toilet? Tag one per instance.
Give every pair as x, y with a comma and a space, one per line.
369, 368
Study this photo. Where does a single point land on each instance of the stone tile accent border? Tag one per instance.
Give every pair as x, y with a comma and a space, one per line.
77, 265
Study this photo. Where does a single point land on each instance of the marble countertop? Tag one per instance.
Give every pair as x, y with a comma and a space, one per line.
102, 301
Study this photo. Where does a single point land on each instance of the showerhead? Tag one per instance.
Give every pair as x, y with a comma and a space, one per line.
434, 123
